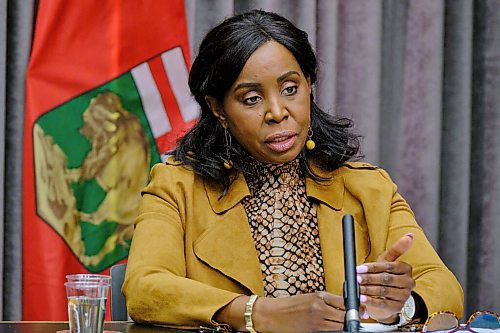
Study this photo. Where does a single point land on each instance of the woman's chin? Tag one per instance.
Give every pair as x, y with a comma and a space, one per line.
280, 158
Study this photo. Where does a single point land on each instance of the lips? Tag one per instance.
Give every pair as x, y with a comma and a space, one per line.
281, 142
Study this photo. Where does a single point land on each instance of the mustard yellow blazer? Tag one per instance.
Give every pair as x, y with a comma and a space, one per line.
192, 251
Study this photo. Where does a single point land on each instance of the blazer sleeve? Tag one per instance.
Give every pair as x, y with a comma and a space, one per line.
435, 283
156, 288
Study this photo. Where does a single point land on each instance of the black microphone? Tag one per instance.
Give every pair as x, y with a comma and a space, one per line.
351, 286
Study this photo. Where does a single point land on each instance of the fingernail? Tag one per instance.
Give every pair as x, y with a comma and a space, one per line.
409, 235
362, 298
361, 269
359, 278
365, 315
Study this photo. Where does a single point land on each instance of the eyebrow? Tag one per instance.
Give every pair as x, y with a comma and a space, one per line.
286, 75
280, 79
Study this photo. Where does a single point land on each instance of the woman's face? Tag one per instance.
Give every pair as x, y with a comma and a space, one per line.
267, 109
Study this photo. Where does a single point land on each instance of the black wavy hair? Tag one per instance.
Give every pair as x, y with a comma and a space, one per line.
221, 57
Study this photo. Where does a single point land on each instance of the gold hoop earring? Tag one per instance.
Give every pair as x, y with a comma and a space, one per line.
310, 144
228, 164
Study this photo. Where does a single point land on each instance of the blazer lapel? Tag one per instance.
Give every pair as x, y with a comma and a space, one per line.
227, 245
330, 210
330, 195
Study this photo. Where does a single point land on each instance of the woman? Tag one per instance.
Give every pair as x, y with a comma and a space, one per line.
250, 204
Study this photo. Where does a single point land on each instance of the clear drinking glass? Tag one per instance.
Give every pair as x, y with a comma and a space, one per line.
88, 277
87, 305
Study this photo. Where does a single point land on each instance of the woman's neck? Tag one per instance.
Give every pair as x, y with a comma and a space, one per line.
258, 174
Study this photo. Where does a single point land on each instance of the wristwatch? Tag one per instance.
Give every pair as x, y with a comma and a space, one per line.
407, 312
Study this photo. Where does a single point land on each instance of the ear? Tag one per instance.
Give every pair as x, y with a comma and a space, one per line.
217, 109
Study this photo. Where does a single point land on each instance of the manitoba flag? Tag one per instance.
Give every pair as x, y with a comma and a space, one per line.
106, 95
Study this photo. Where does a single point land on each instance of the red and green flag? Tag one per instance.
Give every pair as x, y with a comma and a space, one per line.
106, 95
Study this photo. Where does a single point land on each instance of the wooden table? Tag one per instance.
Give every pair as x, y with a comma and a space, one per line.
54, 326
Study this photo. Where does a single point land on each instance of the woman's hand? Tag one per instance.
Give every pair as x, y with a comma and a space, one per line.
386, 284
320, 311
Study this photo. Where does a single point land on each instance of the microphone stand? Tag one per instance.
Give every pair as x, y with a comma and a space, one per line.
351, 286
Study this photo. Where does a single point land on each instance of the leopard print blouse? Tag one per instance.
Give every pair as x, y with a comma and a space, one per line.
285, 229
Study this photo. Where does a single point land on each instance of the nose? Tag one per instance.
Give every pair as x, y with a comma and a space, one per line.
276, 111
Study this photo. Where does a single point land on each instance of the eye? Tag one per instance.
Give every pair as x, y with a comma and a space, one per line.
252, 100
290, 90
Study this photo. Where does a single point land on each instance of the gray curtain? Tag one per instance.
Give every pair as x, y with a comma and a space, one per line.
421, 80
16, 29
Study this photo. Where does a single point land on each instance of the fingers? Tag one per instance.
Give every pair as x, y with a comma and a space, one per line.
395, 267
335, 317
383, 305
332, 300
386, 292
333, 314
337, 302
397, 249
300, 313
386, 283
389, 280
396, 274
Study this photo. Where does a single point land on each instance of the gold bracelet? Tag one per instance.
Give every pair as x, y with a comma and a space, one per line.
248, 314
